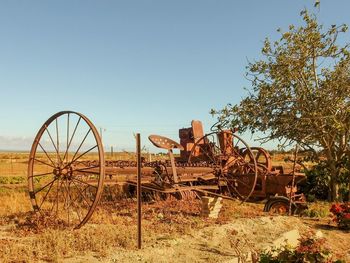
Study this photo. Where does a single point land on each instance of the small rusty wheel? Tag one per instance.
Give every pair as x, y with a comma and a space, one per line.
262, 157
279, 205
280, 208
61, 185
236, 177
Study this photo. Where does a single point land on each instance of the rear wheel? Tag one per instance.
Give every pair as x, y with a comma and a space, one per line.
236, 176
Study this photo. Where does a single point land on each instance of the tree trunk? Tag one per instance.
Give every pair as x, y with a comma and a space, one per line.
335, 192
333, 184
334, 173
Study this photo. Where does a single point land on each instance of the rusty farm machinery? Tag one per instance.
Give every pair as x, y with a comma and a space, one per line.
67, 169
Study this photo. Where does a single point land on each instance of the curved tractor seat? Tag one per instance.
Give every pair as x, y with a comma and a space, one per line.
164, 142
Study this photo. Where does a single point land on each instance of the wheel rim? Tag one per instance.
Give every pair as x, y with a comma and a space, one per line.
60, 184
236, 176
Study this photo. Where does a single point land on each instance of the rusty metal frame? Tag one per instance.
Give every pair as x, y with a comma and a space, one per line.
216, 175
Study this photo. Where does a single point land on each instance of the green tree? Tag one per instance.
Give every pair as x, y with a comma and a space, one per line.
301, 93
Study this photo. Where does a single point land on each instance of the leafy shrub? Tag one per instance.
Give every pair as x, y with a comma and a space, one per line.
12, 180
316, 186
317, 181
317, 210
341, 214
310, 249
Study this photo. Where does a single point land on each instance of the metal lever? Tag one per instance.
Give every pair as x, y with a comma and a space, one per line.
173, 167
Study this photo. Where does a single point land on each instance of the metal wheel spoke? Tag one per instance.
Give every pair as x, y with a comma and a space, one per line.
48, 191
243, 183
35, 192
38, 175
71, 139
237, 193
56, 199
82, 182
54, 145
231, 162
81, 144
81, 155
64, 156
82, 172
208, 154
42, 148
84, 198
73, 202
230, 186
86, 168
67, 200
58, 140
82, 193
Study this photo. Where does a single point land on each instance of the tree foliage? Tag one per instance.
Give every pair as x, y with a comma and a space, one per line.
300, 91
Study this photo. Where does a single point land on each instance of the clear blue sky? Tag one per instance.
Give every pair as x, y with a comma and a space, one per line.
133, 66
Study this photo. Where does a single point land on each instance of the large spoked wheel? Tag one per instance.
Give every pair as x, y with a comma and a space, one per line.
206, 149
235, 175
61, 185
262, 157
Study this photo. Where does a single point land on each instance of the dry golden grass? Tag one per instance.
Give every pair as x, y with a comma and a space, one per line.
54, 244
27, 237
14, 203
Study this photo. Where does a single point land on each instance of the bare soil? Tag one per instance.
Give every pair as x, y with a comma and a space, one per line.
172, 232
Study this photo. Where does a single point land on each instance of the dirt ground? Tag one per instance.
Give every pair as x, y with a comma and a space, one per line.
168, 236
215, 243
223, 243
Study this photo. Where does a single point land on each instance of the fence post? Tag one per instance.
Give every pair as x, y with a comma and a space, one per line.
138, 152
293, 179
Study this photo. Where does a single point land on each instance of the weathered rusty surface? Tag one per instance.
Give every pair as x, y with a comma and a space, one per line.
164, 142
190, 136
219, 163
270, 180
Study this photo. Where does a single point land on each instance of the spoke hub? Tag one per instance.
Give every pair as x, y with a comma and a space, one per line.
64, 172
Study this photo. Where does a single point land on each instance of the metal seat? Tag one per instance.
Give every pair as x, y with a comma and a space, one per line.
164, 142
168, 144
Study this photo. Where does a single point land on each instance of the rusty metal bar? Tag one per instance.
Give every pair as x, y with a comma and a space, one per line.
179, 188
150, 170
173, 167
138, 151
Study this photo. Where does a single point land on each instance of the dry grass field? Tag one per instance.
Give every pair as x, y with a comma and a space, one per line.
173, 231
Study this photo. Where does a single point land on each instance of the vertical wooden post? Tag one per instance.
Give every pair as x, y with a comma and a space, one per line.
138, 152
293, 179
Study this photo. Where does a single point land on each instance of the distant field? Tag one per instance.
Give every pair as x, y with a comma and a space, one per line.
14, 164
